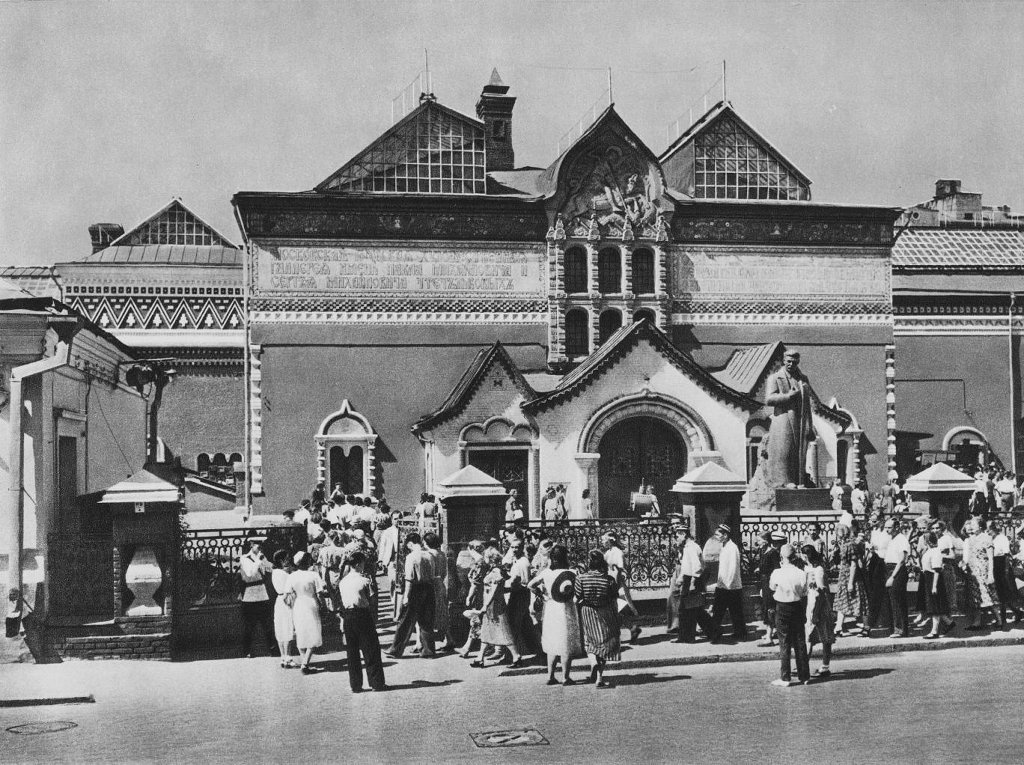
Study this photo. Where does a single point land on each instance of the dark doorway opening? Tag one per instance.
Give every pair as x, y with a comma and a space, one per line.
640, 449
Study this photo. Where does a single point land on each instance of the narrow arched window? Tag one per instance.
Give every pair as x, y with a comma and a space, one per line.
576, 270
609, 323
577, 340
645, 313
609, 270
643, 272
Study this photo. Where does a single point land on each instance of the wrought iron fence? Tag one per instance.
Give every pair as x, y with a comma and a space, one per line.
81, 576
208, 564
796, 527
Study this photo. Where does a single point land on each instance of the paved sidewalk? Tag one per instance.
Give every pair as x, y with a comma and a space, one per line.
74, 681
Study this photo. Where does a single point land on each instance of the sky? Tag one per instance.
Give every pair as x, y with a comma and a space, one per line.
108, 110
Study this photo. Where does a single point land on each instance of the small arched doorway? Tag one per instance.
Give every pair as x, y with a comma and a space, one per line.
638, 449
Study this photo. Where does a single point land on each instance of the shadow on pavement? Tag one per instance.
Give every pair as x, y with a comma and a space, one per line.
642, 678
423, 684
859, 674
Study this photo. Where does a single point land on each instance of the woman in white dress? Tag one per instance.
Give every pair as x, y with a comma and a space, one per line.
304, 589
284, 628
561, 636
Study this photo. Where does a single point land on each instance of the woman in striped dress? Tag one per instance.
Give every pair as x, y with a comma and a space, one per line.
597, 594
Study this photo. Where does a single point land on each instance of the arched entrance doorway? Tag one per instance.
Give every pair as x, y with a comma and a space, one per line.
634, 450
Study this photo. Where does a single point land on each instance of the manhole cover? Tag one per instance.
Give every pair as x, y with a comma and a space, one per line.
514, 737
31, 729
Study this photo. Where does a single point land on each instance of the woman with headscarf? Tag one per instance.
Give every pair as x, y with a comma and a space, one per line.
560, 635
304, 588
284, 627
494, 628
597, 594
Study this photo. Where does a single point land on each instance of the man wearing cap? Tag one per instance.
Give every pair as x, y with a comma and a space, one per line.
771, 560
789, 585
360, 627
729, 589
687, 587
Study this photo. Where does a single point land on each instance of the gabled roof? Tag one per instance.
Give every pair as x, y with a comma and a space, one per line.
747, 367
173, 235
470, 381
548, 181
723, 110
35, 280
386, 152
617, 347
926, 249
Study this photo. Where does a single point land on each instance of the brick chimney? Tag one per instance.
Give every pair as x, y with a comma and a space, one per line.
495, 110
103, 234
946, 188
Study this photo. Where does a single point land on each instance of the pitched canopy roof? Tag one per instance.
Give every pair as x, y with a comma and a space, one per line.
470, 382
747, 367
617, 347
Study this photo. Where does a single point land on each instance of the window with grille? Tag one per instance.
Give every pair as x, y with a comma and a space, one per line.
732, 164
643, 272
175, 225
609, 270
432, 152
576, 270
609, 323
577, 341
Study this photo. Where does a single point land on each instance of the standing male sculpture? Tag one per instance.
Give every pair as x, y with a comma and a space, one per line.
792, 428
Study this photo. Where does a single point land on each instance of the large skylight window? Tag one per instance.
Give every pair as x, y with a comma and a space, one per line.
731, 164
432, 152
175, 225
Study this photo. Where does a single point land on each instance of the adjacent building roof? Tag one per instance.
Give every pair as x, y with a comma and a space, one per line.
173, 235
958, 249
35, 280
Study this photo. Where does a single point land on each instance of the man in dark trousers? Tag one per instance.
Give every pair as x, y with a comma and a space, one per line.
688, 580
417, 599
789, 584
257, 607
360, 626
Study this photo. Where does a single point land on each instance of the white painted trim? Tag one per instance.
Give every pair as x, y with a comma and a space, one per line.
187, 338
829, 319
965, 429
939, 326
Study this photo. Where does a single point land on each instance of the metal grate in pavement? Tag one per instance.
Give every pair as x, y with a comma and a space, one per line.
513, 737
32, 729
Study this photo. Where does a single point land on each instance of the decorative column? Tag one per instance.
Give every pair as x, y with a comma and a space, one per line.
533, 479
890, 411
556, 293
591, 269
661, 293
370, 463
256, 419
627, 271
595, 322
853, 472
587, 462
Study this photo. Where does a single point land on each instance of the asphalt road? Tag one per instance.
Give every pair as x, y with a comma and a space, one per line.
961, 706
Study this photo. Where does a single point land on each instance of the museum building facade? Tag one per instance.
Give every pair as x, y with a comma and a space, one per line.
607, 320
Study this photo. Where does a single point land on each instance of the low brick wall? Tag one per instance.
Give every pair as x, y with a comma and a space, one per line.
153, 646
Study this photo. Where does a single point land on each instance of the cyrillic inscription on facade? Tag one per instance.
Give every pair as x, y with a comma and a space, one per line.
360, 270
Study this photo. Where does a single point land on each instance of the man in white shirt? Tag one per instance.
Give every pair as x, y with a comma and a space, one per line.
789, 588
729, 589
688, 582
859, 499
896, 555
360, 626
879, 611
253, 567
336, 515
302, 515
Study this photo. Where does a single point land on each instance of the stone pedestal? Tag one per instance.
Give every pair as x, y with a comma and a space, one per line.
472, 506
941, 492
803, 500
143, 578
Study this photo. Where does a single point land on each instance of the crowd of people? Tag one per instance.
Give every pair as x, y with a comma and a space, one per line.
517, 595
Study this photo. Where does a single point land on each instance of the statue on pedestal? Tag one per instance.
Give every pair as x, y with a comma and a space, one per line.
792, 427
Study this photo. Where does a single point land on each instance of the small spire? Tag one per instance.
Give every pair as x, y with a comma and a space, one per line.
495, 77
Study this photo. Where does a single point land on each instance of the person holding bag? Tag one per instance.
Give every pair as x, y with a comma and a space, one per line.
304, 590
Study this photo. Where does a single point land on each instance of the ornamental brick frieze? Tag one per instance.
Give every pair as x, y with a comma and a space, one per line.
375, 224
783, 307
395, 317
160, 312
957, 325
965, 306
774, 230
390, 304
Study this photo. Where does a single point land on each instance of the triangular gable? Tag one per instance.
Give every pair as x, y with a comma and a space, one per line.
432, 150
173, 224
606, 182
616, 348
469, 383
722, 157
